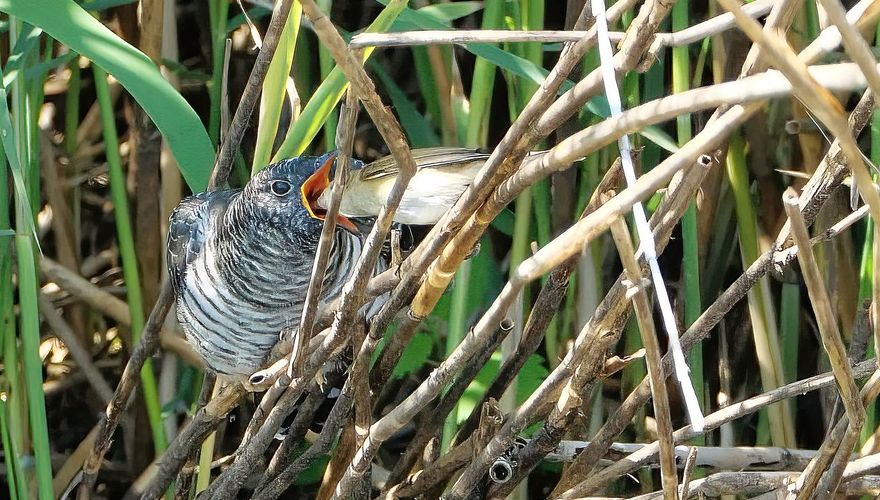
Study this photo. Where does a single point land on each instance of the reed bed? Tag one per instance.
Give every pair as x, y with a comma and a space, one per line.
707, 191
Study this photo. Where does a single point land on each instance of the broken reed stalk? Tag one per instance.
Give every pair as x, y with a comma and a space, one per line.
345, 140
440, 273
831, 340
653, 355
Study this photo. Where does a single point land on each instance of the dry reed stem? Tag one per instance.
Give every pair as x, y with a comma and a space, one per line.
190, 438
812, 199
858, 49
691, 34
689, 465
653, 355
440, 273
713, 420
393, 135
746, 484
821, 303
591, 344
830, 335
345, 140
501, 163
817, 98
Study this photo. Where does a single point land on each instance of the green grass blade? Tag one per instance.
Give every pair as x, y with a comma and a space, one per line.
326, 65
28, 286
10, 425
418, 129
219, 12
11, 480
764, 325
483, 82
325, 99
448, 12
690, 233
457, 330
125, 240
71, 25
272, 99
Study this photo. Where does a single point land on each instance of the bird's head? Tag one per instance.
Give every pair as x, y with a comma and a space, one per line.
286, 193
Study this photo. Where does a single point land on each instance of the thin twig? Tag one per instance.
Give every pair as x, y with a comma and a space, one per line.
691, 34
127, 383
688, 471
74, 346
653, 356
345, 140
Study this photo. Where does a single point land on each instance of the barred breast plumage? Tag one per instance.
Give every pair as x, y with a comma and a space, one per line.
240, 263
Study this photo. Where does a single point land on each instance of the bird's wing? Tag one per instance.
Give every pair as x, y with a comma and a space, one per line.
424, 158
188, 227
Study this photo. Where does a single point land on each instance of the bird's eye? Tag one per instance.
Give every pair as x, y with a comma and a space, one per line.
280, 188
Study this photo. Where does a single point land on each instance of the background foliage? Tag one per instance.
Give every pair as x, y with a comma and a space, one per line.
108, 118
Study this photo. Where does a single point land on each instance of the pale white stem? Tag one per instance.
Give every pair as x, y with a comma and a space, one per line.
646, 236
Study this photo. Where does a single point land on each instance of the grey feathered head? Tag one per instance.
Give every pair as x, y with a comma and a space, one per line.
284, 193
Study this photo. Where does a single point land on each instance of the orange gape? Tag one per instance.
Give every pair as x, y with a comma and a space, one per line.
313, 187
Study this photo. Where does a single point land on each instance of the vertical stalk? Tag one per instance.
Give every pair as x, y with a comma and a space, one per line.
275, 89
692, 306
12, 408
457, 330
71, 125
219, 12
29, 327
761, 312
527, 16
127, 253
789, 321
326, 64
483, 82
482, 85
867, 264
18, 139
71, 107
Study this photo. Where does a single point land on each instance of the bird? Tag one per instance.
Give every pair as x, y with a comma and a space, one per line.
240, 261
442, 175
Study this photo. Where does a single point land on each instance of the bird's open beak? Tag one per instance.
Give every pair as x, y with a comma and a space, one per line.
313, 187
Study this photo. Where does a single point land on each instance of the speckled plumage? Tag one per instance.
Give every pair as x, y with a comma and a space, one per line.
240, 263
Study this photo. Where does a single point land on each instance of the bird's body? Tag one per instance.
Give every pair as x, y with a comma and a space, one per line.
240, 262
442, 174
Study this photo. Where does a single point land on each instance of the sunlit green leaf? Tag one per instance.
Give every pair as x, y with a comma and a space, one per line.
418, 129
71, 25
